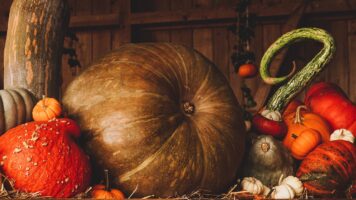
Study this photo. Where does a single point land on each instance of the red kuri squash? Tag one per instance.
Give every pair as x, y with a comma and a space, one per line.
42, 157
330, 102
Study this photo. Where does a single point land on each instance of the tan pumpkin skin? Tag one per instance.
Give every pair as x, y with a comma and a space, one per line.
131, 105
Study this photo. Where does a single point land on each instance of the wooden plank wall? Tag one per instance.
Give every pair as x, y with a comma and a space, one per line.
93, 42
216, 43
213, 39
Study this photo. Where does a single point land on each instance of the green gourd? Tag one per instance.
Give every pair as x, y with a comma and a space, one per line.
288, 91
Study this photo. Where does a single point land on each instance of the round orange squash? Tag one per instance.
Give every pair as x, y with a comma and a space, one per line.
101, 191
46, 109
305, 143
161, 118
304, 120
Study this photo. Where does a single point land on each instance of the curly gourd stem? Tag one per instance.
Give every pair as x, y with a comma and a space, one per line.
288, 91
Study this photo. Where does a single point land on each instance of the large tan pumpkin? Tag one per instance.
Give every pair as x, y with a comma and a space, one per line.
160, 117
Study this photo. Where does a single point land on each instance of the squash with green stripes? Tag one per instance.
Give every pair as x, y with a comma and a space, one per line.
275, 105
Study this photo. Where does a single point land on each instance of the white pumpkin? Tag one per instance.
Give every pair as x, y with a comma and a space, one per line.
342, 134
272, 115
283, 191
252, 185
295, 184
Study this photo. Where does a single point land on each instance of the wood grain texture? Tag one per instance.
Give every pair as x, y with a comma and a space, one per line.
33, 49
2, 46
84, 47
203, 42
122, 35
352, 59
221, 50
258, 50
184, 37
101, 38
234, 79
67, 73
337, 72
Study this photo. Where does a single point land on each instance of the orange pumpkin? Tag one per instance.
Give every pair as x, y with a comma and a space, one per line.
46, 109
105, 192
100, 192
301, 121
305, 143
247, 70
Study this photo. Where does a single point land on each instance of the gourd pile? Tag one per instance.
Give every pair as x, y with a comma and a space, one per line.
310, 142
160, 119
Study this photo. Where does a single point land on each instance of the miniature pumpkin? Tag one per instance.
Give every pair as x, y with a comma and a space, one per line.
247, 70
252, 185
329, 169
295, 184
267, 160
330, 102
46, 109
283, 191
105, 192
101, 192
161, 117
15, 108
43, 157
342, 134
304, 143
298, 122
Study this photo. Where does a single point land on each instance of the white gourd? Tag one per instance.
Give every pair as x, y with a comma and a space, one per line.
272, 115
252, 185
283, 191
342, 134
295, 184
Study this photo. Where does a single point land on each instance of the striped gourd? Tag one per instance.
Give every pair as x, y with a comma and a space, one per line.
289, 90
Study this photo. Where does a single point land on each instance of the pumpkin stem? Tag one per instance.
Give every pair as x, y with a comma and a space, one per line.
298, 119
44, 102
188, 107
107, 184
265, 147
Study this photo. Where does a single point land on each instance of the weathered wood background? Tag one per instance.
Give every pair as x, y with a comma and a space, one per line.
103, 25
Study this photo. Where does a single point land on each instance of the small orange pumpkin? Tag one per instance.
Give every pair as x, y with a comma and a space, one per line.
247, 70
46, 109
105, 192
299, 121
304, 143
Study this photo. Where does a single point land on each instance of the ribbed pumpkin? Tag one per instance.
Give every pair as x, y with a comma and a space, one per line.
300, 121
329, 101
159, 117
15, 107
304, 143
329, 169
46, 109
